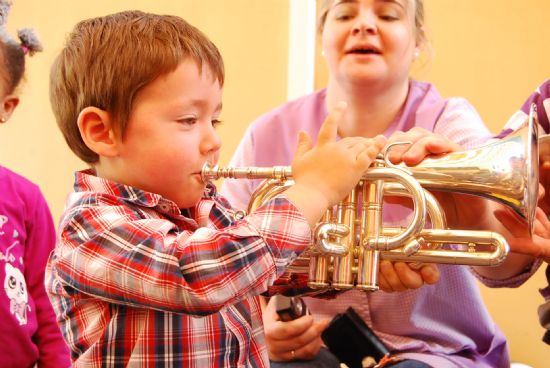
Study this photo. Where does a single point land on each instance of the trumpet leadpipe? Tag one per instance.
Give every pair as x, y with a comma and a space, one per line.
210, 172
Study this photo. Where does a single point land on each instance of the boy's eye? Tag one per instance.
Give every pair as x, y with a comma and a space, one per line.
216, 123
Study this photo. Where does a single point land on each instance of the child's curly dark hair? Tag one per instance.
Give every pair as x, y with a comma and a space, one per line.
12, 53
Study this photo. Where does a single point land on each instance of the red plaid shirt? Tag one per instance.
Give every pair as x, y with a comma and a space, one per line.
135, 282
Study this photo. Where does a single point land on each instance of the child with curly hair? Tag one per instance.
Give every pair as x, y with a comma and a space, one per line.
29, 334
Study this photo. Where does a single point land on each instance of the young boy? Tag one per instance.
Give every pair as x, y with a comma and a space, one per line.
151, 268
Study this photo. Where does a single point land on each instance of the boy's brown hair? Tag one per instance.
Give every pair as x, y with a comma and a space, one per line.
107, 60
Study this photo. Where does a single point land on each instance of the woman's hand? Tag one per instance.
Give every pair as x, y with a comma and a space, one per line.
298, 339
518, 234
422, 143
401, 276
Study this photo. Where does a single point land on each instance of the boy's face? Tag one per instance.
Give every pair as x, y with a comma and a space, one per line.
171, 134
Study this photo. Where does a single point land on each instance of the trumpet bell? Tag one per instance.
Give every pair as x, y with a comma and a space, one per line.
504, 170
544, 170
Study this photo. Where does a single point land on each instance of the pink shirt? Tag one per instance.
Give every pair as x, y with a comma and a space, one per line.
29, 334
444, 325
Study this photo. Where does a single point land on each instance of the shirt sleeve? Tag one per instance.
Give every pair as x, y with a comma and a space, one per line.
511, 282
461, 123
151, 263
40, 242
541, 98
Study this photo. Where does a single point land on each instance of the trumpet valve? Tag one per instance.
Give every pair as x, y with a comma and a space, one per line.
318, 272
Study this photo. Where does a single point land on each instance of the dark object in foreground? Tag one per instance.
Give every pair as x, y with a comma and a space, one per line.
290, 308
352, 341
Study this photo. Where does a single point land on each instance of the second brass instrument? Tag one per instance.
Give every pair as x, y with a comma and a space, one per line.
350, 239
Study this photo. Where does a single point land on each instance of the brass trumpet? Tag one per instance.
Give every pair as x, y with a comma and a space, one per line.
350, 239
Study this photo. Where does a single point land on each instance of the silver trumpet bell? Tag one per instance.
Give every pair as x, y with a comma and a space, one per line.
351, 239
504, 170
544, 171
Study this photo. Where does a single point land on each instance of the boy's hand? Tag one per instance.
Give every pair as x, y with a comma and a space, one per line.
333, 168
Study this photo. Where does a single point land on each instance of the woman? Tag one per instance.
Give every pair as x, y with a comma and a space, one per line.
369, 46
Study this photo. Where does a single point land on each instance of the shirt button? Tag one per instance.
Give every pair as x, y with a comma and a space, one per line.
239, 215
164, 207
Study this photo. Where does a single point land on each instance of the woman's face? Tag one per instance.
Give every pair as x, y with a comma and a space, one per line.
370, 41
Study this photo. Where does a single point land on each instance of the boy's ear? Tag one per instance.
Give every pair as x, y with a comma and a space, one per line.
9, 104
97, 132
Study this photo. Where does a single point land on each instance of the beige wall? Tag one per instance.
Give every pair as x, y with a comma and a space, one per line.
483, 50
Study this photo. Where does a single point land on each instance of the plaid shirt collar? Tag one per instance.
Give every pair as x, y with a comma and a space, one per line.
88, 181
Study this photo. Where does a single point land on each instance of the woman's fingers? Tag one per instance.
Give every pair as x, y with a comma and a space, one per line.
401, 276
422, 143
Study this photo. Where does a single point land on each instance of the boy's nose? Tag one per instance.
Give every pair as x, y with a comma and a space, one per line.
211, 141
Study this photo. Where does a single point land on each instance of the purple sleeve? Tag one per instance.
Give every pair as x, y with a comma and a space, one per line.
538, 98
461, 123
40, 242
